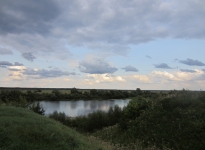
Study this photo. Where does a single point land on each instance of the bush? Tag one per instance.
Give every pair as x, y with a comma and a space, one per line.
58, 116
37, 108
176, 122
94, 121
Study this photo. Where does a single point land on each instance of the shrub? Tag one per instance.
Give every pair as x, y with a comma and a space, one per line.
94, 121
37, 108
61, 117
176, 122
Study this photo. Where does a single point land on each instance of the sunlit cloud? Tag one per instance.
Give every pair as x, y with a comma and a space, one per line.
104, 78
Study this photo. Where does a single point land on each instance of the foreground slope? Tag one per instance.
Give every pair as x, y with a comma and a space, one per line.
21, 129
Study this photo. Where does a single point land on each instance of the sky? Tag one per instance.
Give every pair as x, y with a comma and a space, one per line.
103, 44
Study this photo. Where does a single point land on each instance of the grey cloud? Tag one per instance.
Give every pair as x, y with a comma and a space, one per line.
30, 16
187, 70
130, 68
5, 64
96, 66
191, 62
28, 56
163, 66
46, 47
5, 51
115, 23
14, 69
135, 22
18, 64
43, 73
148, 56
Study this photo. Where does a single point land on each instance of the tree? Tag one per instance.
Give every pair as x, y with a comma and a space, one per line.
37, 108
74, 90
93, 92
139, 91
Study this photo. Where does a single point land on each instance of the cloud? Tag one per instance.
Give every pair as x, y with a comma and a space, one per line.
187, 70
31, 16
18, 64
188, 76
46, 26
191, 62
96, 66
141, 78
178, 76
148, 56
5, 51
17, 68
5, 64
164, 76
28, 56
43, 73
130, 68
103, 78
16, 76
162, 66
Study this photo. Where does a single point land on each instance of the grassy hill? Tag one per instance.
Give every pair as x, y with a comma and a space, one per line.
22, 129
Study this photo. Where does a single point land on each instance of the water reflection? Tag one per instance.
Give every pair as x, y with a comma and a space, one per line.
80, 107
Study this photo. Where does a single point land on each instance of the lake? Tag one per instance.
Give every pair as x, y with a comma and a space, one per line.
81, 107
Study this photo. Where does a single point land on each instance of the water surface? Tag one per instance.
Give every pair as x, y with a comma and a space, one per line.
81, 107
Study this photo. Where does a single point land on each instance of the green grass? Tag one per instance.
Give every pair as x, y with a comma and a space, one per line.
22, 129
121, 140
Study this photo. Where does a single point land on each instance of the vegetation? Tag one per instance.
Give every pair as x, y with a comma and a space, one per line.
21, 129
174, 121
72, 94
37, 108
22, 102
94, 121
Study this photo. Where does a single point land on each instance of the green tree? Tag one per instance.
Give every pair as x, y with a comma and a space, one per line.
37, 108
74, 90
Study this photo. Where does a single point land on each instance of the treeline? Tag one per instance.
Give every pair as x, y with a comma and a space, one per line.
74, 94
